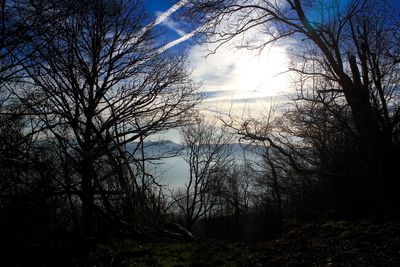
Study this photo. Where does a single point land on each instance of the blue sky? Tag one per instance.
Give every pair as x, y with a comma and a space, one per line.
158, 5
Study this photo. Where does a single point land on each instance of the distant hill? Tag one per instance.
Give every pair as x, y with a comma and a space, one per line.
167, 164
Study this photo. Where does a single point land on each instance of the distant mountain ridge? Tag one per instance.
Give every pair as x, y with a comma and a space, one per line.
167, 164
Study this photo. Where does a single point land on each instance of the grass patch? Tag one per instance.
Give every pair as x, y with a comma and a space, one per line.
198, 253
333, 243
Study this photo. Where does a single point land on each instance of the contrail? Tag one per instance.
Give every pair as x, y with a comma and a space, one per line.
179, 40
157, 21
164, 16
169, 12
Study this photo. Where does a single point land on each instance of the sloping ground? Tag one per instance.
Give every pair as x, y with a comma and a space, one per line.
334, 244
330, 244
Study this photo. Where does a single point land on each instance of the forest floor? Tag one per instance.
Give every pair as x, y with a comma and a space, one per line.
330, 244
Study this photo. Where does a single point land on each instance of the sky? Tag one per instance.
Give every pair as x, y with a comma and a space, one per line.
239, 81
231, 78
235, 80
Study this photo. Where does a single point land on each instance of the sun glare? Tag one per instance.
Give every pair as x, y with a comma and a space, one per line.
262, 75
241, 74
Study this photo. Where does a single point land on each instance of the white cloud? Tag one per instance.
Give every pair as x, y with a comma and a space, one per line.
245, 73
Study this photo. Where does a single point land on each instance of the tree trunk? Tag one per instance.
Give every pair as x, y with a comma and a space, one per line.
375, 144
87, 197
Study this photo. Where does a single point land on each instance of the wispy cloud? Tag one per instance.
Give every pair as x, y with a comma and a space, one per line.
241, 70
241, 80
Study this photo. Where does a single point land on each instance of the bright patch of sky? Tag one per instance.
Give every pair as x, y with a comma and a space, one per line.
238, 76
232, 79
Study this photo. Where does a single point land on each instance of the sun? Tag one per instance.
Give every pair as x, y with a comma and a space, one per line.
241, 73
262, 74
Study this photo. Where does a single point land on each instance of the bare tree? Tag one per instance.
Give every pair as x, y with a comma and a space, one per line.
207, 152
352, 46
97, 81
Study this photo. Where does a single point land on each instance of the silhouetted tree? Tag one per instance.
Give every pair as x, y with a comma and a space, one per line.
353, 44
207, 152
96, 82
324, 124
